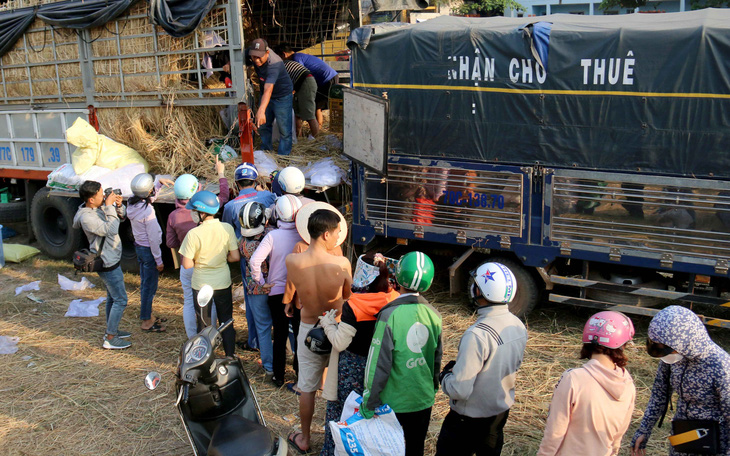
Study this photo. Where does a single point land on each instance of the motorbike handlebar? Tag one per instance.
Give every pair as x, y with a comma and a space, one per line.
225, 325
186, 389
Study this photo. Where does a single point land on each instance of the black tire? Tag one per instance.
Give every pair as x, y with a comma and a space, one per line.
528, 294
52, 219
14, 211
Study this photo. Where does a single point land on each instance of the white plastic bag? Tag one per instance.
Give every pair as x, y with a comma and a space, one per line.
381, 435
265, 165
324, 173
28, 287
79, 308
8, 345
69, 285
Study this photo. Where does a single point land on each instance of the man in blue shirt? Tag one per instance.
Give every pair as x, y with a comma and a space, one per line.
245, 176
325, 76
276, 96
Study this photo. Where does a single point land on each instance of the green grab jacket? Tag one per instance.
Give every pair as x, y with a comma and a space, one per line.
404, 361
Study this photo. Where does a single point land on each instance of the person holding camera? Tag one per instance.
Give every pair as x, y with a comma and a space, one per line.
99, 219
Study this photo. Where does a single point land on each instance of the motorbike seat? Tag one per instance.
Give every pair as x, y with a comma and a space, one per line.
235, 435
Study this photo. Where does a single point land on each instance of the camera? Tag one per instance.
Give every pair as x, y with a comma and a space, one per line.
109, 191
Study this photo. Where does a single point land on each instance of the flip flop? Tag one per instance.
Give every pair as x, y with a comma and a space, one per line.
160, 319
155, 328
292, 439
291, 386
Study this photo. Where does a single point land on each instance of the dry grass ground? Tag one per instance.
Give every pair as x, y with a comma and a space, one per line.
73, 397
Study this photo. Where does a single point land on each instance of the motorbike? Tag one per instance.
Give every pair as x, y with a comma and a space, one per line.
217, 406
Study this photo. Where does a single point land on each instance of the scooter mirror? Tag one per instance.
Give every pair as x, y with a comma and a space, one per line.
152, 380
205, 295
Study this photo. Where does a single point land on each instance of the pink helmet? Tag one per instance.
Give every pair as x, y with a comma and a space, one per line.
609, 329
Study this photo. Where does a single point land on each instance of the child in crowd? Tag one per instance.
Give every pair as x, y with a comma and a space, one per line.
592, 405
253, 221
179, 222
147, 239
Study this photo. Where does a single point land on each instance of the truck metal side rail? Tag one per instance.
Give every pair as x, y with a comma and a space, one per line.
636, 290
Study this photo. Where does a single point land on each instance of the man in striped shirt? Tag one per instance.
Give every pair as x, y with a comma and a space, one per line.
305, 91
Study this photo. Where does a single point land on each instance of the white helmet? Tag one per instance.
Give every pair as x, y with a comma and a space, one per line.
287, 207
496, 283
142, 185
291, 180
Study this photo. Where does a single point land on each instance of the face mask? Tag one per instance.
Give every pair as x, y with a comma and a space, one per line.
196, 217
672, 358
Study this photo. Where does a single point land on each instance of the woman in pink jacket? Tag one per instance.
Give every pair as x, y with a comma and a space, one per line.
592, 405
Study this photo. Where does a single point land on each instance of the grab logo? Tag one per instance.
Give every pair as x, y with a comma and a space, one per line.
413, 362
417, 337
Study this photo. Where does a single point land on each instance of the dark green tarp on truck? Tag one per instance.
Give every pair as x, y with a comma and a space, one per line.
637, 92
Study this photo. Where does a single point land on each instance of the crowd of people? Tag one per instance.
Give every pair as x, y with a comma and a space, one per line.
378, 335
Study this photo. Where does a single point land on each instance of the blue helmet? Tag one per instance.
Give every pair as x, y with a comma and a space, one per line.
186, 186
245, 171
204, 201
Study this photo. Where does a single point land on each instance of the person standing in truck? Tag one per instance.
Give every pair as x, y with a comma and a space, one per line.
99, 219
324, 74
276, 96
305, 93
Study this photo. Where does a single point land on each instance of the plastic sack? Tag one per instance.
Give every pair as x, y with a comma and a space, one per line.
122, 178
265, 165
79, 308
324, 173
65, 178
33, 286
70, 285
95, 149
8, 345
15, 253
380, 435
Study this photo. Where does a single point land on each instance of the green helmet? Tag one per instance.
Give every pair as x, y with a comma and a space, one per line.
415, 271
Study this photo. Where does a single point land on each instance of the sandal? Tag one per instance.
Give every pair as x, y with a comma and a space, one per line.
160, 319
292, 439
155, 328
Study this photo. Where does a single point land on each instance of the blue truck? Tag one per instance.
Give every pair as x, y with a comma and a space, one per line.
588, 153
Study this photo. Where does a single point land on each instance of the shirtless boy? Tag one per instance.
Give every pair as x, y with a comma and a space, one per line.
323, 282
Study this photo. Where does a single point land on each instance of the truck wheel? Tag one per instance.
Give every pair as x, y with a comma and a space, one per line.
52, 219
14, 211
527, 295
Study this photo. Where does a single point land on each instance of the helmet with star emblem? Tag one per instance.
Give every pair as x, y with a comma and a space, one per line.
495, 282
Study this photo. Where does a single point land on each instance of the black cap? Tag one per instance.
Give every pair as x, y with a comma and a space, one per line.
258, 47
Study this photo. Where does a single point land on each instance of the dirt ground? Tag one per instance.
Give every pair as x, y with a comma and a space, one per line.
63, 394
